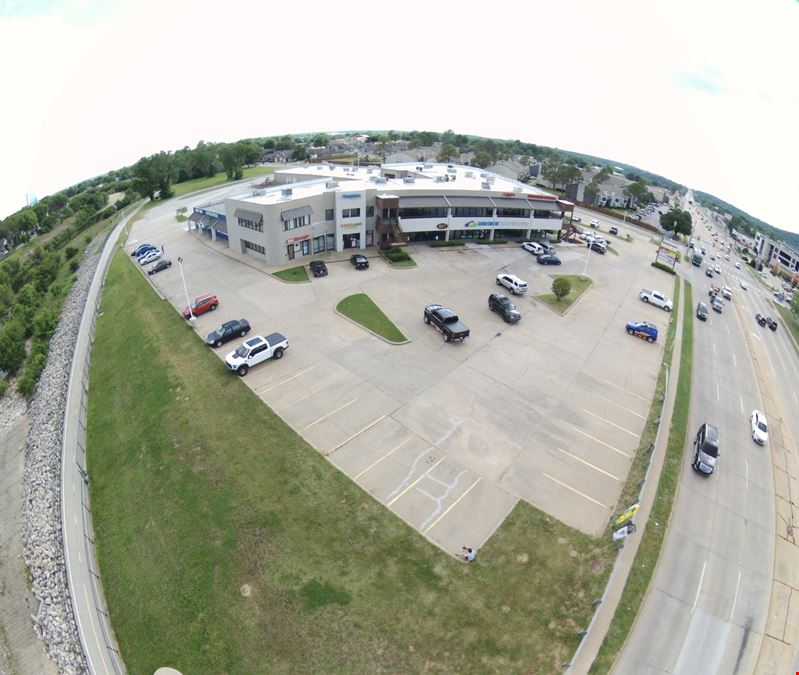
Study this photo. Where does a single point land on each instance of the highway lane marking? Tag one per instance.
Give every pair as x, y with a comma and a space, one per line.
440, 459
699, 588
358, 433
377, 461
632, 433
746, 472
100, 643
714, 349
596, 468
288, 379
452, 506
741, 400
728, 329
569, 487
629, 410
735, 597
718, 392
795, 399
332, 412
594, 438
734, 361
613, 384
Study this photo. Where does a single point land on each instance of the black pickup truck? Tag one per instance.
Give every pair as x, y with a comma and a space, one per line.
445, 320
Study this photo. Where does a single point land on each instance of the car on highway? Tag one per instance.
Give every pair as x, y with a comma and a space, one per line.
594, 222
207, 302
577, 219
717, 269
227, 332
502, 305
717, 304
548, 259
771, 323
737, 265
613, 230
706, 449
254, 351
160, 266
513, 283
359, 262
761, 320
318, 268
727, 293
709, 272
759, 427
702, 311
744, 286
533, 247
642, 329
151, 256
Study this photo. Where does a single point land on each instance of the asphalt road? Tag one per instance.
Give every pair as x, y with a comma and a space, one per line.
707, 610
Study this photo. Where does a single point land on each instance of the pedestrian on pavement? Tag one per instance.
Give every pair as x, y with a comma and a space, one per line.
469, 553
162, 249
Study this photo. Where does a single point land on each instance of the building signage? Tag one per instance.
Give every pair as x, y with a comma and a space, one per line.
667, 256
548, 197
351, 195
442, 226
350, 226
206, 212
481, 223
515, 223
292, 240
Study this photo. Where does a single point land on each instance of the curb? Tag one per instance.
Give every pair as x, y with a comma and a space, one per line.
368, 330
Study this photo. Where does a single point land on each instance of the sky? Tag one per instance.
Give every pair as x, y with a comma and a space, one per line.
699, 91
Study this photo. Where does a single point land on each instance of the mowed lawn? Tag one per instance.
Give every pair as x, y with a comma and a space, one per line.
229, 545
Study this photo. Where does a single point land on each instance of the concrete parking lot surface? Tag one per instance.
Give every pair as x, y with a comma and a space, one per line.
449, 436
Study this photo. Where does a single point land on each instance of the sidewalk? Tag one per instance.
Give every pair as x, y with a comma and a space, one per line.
589, 647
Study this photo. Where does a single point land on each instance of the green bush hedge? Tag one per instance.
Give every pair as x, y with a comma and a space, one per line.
396, 255
663, 267
444, 244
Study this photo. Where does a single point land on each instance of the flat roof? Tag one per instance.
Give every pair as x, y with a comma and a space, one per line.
429, 179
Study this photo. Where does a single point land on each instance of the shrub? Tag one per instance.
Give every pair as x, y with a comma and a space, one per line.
663, 267
44, 323
87, 239
444, 244
73, 265
12, 347
494, 241
397, 255
561, 287
70, 252
30, 376
3, 387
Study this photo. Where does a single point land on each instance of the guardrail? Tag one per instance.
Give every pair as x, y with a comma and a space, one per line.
88, 603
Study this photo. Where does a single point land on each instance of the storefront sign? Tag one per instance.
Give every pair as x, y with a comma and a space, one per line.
481, 223
667, 256
547, 197
292, 240
442, 226
350, 226
351, 195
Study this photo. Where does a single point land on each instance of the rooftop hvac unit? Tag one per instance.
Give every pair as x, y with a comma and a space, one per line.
286, 192
486, 185
441, 179
331, 184
419, 168
470, 174
428, 166
451, 169
380, 180
409, 180
483, 174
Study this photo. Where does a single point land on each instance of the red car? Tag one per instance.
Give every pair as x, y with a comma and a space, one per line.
202, 304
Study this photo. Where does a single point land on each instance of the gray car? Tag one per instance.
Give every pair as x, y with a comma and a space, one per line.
706, 449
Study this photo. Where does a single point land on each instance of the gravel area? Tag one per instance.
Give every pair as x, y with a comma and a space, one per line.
41, 489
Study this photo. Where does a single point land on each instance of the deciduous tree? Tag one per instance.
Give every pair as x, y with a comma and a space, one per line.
561, 287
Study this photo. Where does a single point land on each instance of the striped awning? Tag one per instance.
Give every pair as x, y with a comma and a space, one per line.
299, 212
510, 203
244, 214
471, 202
219, 224
545, 205
195, 217
422, 202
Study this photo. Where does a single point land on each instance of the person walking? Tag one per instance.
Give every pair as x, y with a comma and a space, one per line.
162, 249
469, 554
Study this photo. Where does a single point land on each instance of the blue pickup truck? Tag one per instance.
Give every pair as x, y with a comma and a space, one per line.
643, 330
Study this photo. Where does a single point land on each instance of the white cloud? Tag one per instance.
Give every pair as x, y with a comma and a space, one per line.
699, 92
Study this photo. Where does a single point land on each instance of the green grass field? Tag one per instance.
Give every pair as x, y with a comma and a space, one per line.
227, 544
180, 189
362, 309
579, 284
293, 274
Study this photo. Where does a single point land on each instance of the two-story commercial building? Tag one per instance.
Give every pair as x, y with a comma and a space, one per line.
322, 207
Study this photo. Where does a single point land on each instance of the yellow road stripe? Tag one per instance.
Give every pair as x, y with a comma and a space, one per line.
594, 438
358, 433
441, 459
449, 508
629, 410
631, 393
582, 494
302, 398
377, 461
604, 419
580, 459
324, 417
288, 379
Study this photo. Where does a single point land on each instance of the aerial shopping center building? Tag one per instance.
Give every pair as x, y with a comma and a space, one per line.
314, 208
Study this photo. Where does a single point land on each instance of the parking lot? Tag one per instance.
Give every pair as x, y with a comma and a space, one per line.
450, 436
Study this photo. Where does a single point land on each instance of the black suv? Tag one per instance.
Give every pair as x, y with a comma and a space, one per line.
359, 262
318, 268
701, 311
706, 449
227, 332
502, 305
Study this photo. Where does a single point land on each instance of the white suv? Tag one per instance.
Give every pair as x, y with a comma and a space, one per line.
594, 222
512, 283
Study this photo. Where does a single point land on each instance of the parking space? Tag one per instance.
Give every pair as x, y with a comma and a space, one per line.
451, 436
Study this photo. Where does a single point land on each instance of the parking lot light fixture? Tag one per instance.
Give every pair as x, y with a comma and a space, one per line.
185, 290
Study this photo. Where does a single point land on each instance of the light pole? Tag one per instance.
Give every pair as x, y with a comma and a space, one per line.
186, 290
587, 256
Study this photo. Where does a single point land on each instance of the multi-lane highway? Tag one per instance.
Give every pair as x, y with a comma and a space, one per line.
709, 609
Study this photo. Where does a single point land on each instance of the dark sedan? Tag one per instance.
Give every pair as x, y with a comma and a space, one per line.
159, 267
761, 320
318, 268
359, 262
230, 330
772, 323
548, 259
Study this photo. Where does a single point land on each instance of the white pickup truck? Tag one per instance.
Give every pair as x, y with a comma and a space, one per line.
255, 350
656, 298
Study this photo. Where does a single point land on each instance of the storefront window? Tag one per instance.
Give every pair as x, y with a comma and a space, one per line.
330, 239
